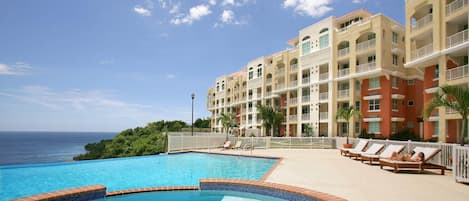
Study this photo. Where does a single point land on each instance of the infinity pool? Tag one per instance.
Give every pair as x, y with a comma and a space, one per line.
128, 173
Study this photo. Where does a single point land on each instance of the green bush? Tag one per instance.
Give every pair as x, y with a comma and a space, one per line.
365, 134
405, 135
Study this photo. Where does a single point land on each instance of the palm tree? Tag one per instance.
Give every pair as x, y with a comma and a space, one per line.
347, 113
455, 98
228, 120
270, 117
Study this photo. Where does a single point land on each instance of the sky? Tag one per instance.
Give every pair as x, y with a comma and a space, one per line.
110, 65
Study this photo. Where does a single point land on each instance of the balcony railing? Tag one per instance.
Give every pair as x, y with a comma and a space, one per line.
323, 76
293, 101
323, 96
457, 73
457, 39
280, 71
250, 121
344, 93
259, 95
305, 98
268, 80
366, 45
293, 117
294, 67
250, 97
366, 67
455, 6
305, 80
343, 52
422, 22
421, 52
344, 72
305, 117
250, 109
294, 83
269, 93
323, 115
280, 87
451, 111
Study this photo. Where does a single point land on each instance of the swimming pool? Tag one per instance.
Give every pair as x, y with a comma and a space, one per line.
193, 196
128, 173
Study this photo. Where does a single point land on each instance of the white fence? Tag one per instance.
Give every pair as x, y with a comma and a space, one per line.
461, 164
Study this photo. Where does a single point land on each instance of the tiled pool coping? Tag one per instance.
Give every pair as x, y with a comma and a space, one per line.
77, 194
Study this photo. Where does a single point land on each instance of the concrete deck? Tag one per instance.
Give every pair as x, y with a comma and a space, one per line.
326, 171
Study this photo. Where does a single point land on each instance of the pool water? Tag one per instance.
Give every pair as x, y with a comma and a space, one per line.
128, 173
203, 195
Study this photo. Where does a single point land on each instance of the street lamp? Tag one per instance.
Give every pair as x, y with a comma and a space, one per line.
319, 119
192, 124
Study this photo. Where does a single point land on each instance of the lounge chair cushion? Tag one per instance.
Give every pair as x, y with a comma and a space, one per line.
387, 152
428, 152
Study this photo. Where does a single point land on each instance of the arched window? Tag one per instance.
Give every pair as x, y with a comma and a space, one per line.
259, 72
259, 65
323, 30
305, 38
306, 46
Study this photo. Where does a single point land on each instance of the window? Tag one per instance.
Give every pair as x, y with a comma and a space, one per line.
324, 41
373, 105
437, 129
251, 75
374, 127
437, 72
357, 127
395, 60
371, 36
373, 83
410, 103
306, 47
395, 82
222, 87
371, 59
323, 30
357, 85
344, 128
410, 82
395, 104
394, 127
394, 37
357, 105
259, 72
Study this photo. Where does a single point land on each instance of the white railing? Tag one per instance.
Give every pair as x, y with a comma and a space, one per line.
269, 93
280, 71
305, 98
344, 72
324, 76
294, 83
456, 39
293, 101
457, 73
366, 67
294, 67
451, 111
250, 121
461, 164
455, 6
250, 97
447, 157
293, 117
323, 95
250, 109
305, 117
366, 45
305, 80
280, 87
344, 93
323, 115
343, 52
421, 52
422, 22
258, 95
268, 80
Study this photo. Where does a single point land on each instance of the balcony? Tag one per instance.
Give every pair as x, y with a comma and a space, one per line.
323, 96
293, 117
455, 6
280, 87
451, 111
259, 95
250, 109
250, 97
280, 72
365, 45
293, 67
294, 83
305, 117
268, 80
305, 80
343, 52
293, 101
456, 39
323, 115
250, 121
344, 93
268, 93
366, 67
422, 22
421, 52
323, 76
457, 73
305, 98
343, 72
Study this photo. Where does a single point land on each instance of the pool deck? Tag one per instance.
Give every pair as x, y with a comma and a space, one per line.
327, 171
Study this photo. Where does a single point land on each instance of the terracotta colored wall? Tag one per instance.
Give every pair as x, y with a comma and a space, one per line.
413, 92
385, 105
292, 130
283, 130
452, 126
283, 100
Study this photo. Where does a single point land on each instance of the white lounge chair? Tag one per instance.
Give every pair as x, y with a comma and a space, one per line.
227, 145
359, 147
373, 149
238, 144
428, 153
386, 153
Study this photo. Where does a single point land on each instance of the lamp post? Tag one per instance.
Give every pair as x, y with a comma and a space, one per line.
192, 124
319, 119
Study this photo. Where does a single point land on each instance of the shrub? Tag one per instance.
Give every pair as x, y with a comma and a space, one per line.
405, 135
365, 134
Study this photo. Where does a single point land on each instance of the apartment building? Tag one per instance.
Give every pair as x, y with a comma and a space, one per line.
354, 60
437, 47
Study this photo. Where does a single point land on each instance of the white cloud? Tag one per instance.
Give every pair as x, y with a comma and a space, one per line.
195, 14
106, 61
175, 8
316, 8
358, 1
18, 68
142, 11
234, 2
170, 76
212, 2
228, 17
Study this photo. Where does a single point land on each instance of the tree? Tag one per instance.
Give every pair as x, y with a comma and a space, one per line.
270, 117
202, 123
228, 121
347, 114
455, 98
309, 130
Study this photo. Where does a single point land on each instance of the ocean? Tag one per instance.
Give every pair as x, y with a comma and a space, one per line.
43, 147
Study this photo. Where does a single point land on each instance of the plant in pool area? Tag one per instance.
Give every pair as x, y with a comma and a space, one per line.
347, 114
270, 119
455, 98
228, 121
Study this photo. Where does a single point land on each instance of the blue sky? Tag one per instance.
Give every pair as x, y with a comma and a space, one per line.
109, 65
